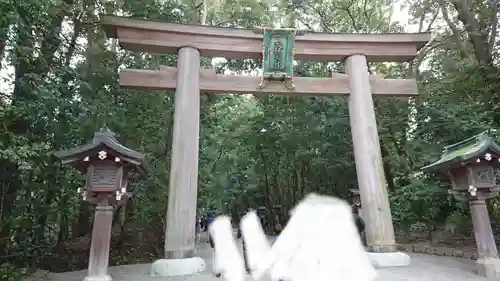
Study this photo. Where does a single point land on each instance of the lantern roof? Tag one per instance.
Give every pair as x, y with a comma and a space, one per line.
465, 151
105, 138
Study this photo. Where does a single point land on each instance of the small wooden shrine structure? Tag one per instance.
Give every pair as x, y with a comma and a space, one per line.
278, 48
471, 166
355, 198
106, 164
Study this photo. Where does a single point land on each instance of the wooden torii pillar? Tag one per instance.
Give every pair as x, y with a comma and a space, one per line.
193, 41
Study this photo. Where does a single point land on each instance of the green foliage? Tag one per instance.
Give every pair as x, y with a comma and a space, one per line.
8, 272
420, 202
458, 223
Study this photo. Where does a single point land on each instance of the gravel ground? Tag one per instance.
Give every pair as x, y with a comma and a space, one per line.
423, 268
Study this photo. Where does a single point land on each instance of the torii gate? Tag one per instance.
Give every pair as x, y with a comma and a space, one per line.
193, 41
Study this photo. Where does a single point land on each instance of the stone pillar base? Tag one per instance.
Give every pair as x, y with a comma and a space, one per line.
98, 278
488, 267
177, 267
389, 259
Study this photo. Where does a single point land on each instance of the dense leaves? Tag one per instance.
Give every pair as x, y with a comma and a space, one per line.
59, 84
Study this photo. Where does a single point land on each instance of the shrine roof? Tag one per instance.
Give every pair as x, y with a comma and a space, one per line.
465, 151
104, 138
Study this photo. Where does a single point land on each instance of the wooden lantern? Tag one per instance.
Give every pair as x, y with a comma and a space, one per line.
470, 164
473, 175
104, 177
106, 164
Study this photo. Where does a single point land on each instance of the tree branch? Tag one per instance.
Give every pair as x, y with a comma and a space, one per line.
472, 26
72, 44
493, 25
351, 16
429, 26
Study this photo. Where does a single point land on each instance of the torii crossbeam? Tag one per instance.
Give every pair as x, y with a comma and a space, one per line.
210, 82
193, 41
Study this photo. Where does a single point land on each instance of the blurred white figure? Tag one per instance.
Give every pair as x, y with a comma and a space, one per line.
255, 239
320, 243
227, 258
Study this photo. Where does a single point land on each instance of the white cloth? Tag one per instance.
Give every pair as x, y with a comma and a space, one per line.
320, 243
227, 261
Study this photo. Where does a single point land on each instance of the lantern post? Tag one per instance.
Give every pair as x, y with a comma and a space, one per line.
106, 164
470, 165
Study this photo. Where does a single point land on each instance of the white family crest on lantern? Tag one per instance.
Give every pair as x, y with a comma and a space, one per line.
487, 156
320, 243
102, 154
472, 190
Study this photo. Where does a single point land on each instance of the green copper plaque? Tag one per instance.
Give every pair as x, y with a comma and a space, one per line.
278, 54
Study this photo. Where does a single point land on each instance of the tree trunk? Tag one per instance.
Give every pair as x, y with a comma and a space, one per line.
82, 225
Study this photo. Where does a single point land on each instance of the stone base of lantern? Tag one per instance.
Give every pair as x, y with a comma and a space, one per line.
177, 267
98, 278
389, 259
488, 267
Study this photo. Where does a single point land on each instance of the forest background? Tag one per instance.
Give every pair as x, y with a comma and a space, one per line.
60, 85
